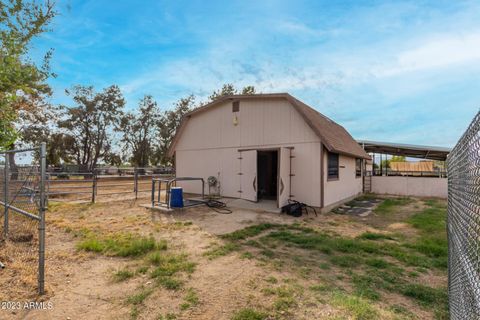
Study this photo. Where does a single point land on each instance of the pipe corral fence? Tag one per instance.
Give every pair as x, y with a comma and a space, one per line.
102, 182
23, 198
463, 225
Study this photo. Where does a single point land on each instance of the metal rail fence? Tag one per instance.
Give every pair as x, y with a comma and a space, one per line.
463, 225
23, 200
102, 182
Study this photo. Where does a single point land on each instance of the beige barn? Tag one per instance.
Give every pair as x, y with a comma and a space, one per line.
269, 146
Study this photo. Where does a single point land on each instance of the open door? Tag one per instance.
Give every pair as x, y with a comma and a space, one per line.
248, 175
284, 177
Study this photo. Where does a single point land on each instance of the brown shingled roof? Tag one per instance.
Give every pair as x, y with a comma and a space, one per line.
333, 136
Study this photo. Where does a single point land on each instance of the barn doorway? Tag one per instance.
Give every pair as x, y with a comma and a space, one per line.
267, 173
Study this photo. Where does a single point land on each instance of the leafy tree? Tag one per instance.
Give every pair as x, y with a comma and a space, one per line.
113, 159
248, 90
229, 89
167, 126
398, 159
22, 82
139, 131
386, 163
90, 124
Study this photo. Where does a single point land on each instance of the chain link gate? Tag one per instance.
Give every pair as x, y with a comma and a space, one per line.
22, 205
463, 225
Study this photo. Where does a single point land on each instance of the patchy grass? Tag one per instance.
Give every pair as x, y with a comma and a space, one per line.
121, 244
374, 236
362, 269
249, 232
221, 250
429, 297
360, 308
167, 266
431, 223
122, 275
388, 206
140, 297
249, 314
191, 299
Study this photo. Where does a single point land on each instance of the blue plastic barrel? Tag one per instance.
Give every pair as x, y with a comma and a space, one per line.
176, 197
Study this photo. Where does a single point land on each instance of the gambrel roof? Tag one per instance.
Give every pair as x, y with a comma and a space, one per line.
332, 135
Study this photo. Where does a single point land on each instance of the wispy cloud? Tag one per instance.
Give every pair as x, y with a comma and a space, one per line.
443, 51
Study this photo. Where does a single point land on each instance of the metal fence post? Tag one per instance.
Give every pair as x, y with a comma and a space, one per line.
94, 186
153, 192
6, 192
41, 227
135, 184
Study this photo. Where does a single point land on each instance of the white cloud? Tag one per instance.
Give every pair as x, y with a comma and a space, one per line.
437, 53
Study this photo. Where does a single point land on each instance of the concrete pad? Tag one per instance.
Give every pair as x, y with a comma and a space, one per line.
262, 205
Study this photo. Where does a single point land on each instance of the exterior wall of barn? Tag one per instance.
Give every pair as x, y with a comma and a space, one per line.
210, 142
346, 186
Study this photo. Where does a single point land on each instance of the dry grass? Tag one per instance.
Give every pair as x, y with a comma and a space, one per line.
19, 254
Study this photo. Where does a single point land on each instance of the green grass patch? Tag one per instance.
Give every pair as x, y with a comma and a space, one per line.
169, 283
432, 242
359, 308
143, 269
425, 295
170, 264
249, 314
388, 206
374, 236
121, 245
430, 220
365, 287
140, 297
190, 300
346, 261
222, 250
378, 263
271, 279
122, 275
402, 311
167, 266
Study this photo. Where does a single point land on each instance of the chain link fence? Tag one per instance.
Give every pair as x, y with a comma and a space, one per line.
463, 225
22, 221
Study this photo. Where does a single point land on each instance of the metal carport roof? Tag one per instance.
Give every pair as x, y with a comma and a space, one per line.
407, 150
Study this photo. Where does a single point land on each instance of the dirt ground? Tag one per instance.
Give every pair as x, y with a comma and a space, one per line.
80, 284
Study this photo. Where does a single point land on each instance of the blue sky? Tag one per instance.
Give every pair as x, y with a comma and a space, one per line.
399, 71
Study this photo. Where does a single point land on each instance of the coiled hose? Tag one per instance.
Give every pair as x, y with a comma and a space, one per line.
218, 206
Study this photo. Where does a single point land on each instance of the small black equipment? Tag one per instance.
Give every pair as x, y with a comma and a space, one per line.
295, 208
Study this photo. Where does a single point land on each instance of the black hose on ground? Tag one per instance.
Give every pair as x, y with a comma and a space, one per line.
218, 206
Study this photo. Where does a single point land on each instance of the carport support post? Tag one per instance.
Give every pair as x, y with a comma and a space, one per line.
5, 200
41, 226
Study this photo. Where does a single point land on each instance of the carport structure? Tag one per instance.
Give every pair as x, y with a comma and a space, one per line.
407, 150
416, 181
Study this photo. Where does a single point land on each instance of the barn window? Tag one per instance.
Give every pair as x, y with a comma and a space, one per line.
332, 165
235, 106
358, 167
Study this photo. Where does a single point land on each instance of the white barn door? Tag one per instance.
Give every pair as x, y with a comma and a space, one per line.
248, 175
284, 177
